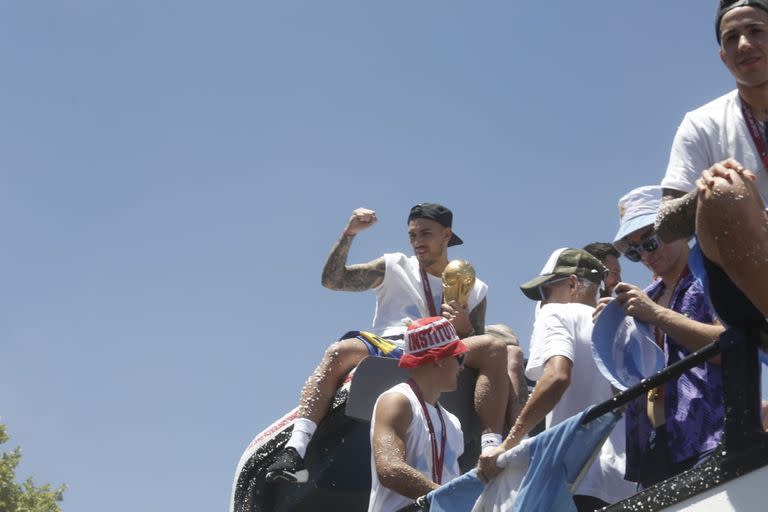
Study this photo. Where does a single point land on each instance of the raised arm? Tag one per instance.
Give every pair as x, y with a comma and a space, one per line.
337, 275
393, 416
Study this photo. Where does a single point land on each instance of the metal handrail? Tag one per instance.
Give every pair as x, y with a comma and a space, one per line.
670, 372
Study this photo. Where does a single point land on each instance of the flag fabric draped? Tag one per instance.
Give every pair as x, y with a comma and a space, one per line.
539, 473
458, 495
501, 493
624, 348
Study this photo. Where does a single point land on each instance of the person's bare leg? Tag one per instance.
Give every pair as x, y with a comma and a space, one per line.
320, 387
732, 229
519, 391
488, 355
316, 396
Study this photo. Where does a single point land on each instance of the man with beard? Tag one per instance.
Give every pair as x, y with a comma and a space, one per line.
406, 288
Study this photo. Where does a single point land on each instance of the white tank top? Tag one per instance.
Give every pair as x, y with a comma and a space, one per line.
418, 450
401, 295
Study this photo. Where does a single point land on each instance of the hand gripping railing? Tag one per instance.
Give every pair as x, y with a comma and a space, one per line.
420, 505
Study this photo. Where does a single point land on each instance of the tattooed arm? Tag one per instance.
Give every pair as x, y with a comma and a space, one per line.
351, 278
337, 275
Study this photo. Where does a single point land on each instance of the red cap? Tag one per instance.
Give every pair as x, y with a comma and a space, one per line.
430, 339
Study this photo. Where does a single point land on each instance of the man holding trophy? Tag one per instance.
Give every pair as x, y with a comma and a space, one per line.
458, 282
407, 288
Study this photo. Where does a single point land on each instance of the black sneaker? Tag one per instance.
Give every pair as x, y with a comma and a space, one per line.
288, 467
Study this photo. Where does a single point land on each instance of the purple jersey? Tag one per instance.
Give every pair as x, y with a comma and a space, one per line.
693, 404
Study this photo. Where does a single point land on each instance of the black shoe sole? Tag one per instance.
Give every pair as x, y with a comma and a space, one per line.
299, 477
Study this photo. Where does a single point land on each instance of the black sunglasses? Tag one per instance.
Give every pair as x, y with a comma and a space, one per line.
648, 244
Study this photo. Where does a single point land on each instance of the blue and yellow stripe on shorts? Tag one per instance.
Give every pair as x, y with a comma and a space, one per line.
376, 345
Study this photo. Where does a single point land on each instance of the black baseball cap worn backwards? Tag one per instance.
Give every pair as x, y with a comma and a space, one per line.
563, 263
437, 213
727, 5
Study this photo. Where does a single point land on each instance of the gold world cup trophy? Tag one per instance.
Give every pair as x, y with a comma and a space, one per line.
458, 281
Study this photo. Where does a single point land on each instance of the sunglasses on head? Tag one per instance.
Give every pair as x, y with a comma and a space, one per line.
648, 244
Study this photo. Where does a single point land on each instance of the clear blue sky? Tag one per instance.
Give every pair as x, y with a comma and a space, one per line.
173, 174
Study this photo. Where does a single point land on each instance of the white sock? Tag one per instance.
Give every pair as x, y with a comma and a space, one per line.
489, 441
303, 430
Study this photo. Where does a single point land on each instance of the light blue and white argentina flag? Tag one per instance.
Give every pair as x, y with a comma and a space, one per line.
538, 474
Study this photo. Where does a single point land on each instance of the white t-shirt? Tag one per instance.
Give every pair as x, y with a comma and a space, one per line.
401, 295
418, 450
709, 135
566, 330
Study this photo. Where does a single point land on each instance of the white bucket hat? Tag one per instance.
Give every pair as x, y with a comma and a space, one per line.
638, 209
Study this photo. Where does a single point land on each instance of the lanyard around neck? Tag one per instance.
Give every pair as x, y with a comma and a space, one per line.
428, 292
438, 458
754, 132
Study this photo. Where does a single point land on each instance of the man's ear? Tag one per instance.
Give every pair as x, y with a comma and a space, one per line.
722, 56
573, 283
447, 234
